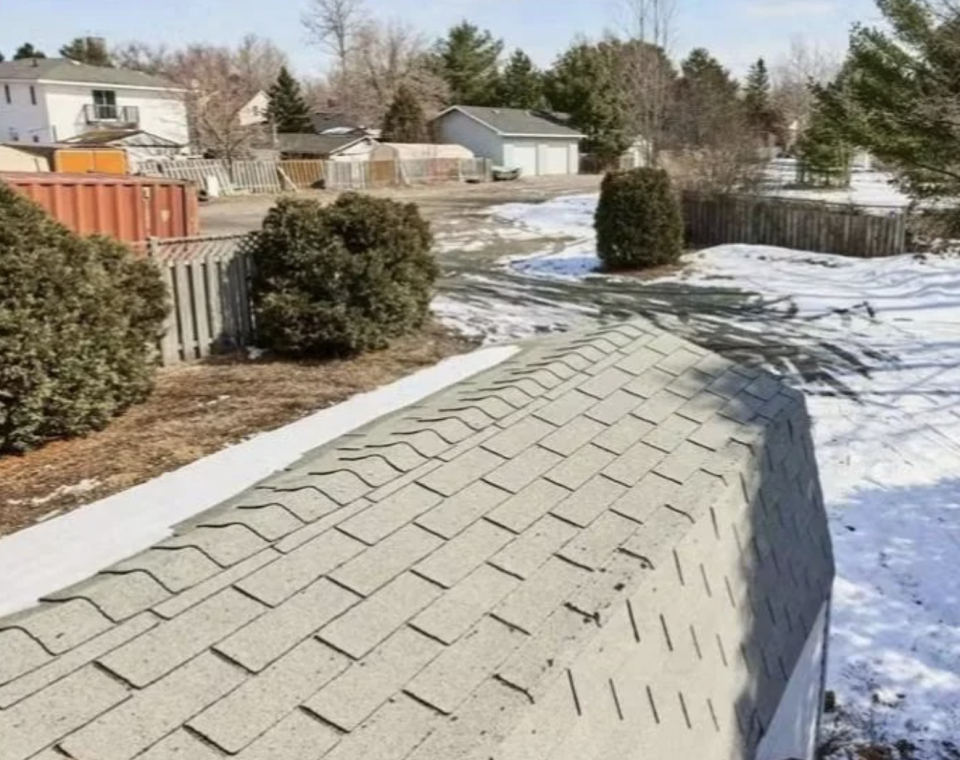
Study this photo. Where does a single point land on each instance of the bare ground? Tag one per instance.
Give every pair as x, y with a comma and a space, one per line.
194, 411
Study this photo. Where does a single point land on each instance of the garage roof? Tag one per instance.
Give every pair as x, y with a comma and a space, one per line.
517, 122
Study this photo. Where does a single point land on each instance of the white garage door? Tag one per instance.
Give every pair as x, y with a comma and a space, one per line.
525, 156
555, 160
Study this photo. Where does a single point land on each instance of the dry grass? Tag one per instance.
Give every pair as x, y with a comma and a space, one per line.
194, 411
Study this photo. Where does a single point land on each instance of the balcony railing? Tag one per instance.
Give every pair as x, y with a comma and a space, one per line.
97, 113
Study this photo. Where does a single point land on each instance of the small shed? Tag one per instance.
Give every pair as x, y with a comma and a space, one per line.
329, 147
138, 145
536, 142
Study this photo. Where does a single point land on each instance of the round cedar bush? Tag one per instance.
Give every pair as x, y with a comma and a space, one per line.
79, 320
341, 279
638, 220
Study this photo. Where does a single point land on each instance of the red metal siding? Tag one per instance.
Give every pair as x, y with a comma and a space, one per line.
130, 209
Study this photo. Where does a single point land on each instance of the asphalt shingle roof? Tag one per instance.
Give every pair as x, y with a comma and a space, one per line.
533, 547
65, 70
321, 145
518, 122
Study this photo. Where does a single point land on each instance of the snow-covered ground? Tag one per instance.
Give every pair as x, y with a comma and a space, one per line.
888, 447
867, 187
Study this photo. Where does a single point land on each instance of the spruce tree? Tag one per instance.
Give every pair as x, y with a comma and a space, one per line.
405, 121
521, 84
896, 96
288, 111
467, 59
584, 84
707, 96
27, 50
756, 91
90, 50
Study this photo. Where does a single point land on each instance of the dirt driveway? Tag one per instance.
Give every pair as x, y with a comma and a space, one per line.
229, 216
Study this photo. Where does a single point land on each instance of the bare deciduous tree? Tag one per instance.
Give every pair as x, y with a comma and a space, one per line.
381, 58
258, 61
648, 76
333, 25
804, 64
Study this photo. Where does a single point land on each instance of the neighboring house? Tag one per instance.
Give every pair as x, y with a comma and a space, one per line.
582, 553
255, 111
532, 141
139, 145
420, 152
49, 100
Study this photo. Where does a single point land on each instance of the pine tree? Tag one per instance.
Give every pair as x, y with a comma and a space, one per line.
2, 58
288, 111
89, 50
707, 96
521, 83
896, 96
756, 91
467, 60
405, 121
584, 84
27, 50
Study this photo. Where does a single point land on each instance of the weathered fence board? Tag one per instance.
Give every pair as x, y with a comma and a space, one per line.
208, 283
237, 177
789, 223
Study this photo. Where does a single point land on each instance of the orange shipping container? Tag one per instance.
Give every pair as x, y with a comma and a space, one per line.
130, 209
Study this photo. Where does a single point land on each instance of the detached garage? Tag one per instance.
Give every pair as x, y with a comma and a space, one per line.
532, 141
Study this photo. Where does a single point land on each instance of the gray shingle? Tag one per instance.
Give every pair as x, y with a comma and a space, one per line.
355, 694
60, 626
614, 407
455, 513
265, 639
462, 471
261, 702
118, 596
21, 655
161, 650
523, 469
649, 383
633, 464
540, 595
176, 570
680, 360
453, 676
457, 611
659, 407
391, 514
368, 623
519, 437
179, 745
572, 436
270, 522
623, 434
296, 736
606, 382
29, 726
385, 561
342, 487
457, 558
566, 408
531, 549
226, 546
670, 433
183, 601
154, 712
518, 121
641, 502
593, 547
293, 572
580, 467
588, 502
528, 506
390, 733
638, 359
400, 455
76, 658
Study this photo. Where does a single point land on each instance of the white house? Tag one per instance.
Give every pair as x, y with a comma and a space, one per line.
513, 138
255, 111
48, 100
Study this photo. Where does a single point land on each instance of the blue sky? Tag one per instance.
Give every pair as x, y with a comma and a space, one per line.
737, 31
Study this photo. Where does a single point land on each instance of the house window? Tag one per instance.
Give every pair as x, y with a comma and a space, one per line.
33, 96
105, 104
6, 94
36, 138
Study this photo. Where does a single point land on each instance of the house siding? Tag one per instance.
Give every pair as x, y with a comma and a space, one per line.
59, 112
457, 128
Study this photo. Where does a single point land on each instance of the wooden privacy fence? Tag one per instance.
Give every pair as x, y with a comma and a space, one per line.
788, 223
242, 177
208, 280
